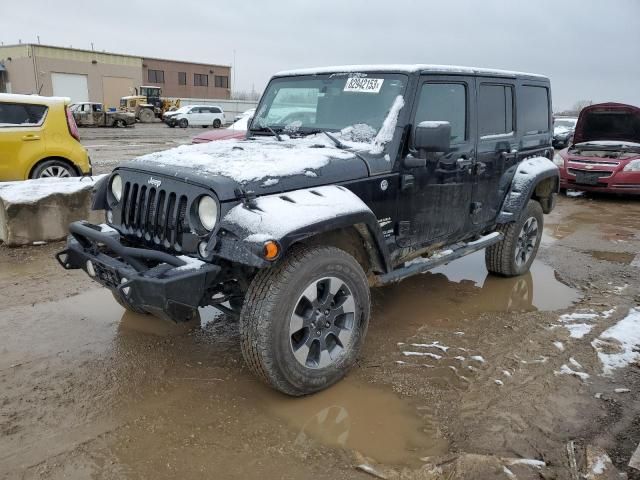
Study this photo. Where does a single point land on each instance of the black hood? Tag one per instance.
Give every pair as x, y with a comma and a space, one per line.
263, 166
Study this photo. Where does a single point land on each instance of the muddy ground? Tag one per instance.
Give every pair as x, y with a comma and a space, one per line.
460, 377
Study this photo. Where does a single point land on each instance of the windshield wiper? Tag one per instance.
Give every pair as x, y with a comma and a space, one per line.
270, 130
338, 143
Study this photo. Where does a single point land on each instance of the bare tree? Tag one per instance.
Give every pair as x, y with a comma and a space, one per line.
245, 95
580, 104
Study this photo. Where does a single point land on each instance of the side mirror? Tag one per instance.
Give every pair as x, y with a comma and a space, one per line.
433, 136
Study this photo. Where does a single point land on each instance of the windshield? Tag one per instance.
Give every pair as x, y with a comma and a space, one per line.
357, 104
565, 123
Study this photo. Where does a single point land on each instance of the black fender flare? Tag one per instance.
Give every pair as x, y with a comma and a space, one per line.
529, 174
293, 217
99, 194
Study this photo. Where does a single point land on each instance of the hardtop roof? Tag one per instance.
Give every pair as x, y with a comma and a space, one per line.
409, 68
20, 98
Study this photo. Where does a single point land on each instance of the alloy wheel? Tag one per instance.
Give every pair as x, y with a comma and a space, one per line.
57, 171
322, 323
526, 241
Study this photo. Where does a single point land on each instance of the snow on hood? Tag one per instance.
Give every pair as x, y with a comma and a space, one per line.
252, 159
560, 129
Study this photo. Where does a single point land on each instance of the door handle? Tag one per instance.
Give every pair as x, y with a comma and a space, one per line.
28, 138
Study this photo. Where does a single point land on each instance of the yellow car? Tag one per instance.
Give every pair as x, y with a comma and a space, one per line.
39, 138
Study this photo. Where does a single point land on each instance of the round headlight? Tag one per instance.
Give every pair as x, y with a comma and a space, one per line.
208, 212
116, 187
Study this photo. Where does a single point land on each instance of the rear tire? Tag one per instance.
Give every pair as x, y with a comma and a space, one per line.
54, 169
304, 320
120, 123
183, 123
217, 123
127, 305
516, 252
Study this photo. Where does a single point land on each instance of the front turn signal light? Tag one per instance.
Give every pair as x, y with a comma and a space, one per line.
271, 250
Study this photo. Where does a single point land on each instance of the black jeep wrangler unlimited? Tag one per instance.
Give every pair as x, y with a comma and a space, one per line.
349, 177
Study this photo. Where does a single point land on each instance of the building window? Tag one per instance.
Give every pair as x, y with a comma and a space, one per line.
200, 80
156, 76
222, 82
182, 78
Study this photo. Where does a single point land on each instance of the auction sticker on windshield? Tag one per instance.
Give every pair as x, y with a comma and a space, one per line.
359, 84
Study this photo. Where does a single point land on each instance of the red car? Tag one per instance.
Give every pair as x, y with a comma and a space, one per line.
605, 153
235, 130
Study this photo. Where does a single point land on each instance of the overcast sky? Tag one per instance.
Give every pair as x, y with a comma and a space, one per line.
589, 48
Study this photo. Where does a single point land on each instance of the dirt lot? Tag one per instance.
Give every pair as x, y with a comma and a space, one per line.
110, 146
463, 375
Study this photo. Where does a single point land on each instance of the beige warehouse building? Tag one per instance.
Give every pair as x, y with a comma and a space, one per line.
87, 75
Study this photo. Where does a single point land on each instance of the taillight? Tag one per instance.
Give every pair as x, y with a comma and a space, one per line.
71, 123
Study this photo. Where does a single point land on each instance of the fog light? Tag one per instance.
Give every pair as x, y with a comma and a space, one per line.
90, 270
202, 249
271, 250
109, 216
125, 290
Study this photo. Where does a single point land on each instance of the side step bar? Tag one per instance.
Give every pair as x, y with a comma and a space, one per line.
421, 265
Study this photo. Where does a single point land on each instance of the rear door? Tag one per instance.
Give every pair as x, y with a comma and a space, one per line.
22, 140
497, 146
435, 199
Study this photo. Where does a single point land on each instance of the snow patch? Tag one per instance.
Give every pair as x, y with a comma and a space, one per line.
29, 191
617, 346
477, 358
422, 354
559, 346
270, 182
252, 159
191, 264
385, 134
566, 370
275, 215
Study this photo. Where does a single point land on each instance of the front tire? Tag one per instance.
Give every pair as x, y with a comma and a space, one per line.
217, 123
515, 253
183, 123
304, 320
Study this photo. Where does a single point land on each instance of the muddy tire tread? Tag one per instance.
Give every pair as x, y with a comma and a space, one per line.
498, 257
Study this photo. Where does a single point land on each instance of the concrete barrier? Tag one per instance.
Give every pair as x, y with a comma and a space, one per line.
41, 210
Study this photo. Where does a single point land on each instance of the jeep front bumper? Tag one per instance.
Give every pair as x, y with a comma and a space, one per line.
158, 282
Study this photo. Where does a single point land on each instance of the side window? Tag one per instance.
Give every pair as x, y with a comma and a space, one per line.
495, 109
444, 102
534, 107
18, 114
215, 110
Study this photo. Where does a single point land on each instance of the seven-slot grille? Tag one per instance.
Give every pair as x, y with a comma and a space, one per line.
155, 214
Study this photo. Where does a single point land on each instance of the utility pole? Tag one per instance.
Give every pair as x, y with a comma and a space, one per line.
233, 87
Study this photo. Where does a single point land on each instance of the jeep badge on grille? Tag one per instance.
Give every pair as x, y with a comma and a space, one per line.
154, 182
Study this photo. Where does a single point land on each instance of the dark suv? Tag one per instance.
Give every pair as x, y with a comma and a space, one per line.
349, 177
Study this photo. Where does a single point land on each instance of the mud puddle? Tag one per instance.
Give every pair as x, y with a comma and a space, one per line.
360, 417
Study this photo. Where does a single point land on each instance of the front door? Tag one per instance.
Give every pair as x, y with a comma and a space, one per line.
435, 199
497, 147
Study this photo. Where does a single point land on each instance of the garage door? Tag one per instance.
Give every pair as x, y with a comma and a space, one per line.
70, 85
115, 87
